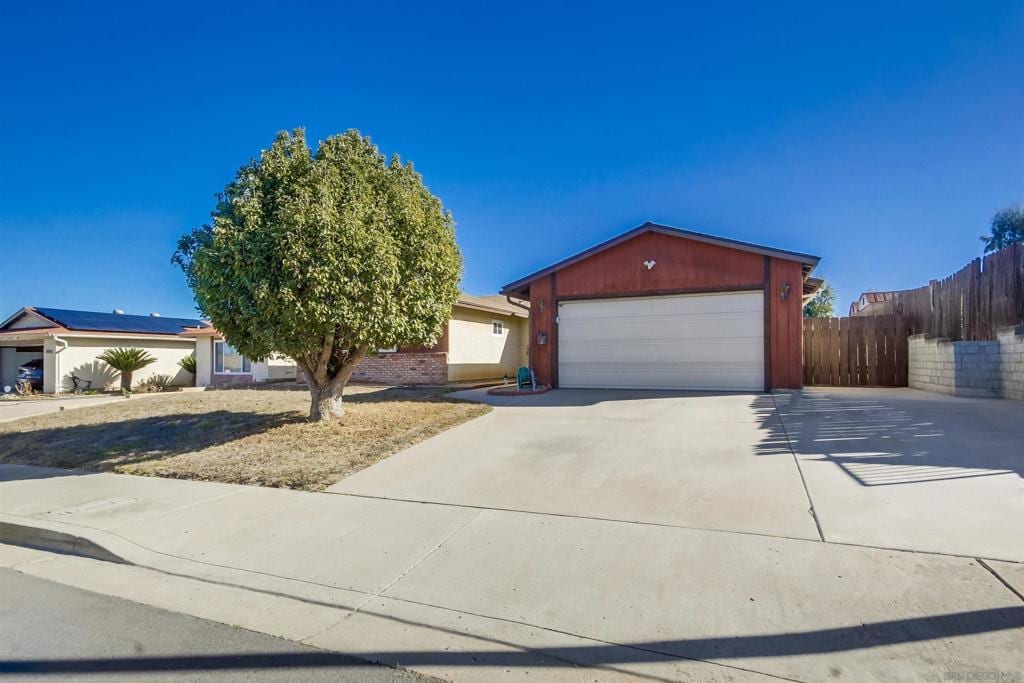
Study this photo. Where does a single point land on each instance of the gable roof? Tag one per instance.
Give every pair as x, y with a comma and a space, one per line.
492, 303
809, 261
91, 321
868, 298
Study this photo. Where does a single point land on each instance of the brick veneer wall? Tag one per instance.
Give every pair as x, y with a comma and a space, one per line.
225, 380
987, 369
395, 369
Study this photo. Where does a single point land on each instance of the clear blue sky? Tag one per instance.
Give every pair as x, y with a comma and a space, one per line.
881, 136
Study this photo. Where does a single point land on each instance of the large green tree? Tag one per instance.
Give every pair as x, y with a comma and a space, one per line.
823, 304
1007, 228
324, 257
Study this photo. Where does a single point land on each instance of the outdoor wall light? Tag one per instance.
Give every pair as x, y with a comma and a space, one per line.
784, 291
650, 263
540, 305
542, 338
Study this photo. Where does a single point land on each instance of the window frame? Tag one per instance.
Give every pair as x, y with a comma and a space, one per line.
245, 361
497, 328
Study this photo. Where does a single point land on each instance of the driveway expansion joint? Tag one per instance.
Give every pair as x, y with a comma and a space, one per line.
796, 461
376, 594
999, 578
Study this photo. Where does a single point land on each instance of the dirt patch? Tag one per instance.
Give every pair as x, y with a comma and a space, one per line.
258, 437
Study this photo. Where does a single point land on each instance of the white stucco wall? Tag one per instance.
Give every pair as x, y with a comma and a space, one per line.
80, 358
474, 352
272, 369
204, 361
282, 368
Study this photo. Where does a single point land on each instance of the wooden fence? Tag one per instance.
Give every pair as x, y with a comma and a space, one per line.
856, 352
970, 305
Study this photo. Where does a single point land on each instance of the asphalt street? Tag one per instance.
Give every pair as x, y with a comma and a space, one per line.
51, 632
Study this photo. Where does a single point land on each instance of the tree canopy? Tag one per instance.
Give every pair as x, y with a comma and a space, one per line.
1007, 228
823, 305
324, 257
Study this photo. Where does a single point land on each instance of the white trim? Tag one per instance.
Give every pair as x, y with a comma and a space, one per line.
500, 329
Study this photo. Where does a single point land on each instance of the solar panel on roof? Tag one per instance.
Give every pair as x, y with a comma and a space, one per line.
90, 321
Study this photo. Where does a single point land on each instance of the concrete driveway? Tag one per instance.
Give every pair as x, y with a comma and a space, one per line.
15, 409
899, 468
883, 468
708, 461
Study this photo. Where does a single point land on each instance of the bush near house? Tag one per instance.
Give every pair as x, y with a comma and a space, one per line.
127, 360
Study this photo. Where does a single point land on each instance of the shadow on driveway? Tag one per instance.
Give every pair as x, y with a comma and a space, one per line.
881, 440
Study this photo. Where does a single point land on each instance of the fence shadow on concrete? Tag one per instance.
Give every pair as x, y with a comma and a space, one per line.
885, 441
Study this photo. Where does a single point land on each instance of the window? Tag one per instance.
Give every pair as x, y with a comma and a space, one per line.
497, 328
227, 361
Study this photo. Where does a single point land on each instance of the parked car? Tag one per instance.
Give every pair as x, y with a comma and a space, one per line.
32, 372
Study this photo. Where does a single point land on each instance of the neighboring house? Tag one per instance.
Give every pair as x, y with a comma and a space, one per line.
664, 308
868, 300
218, 363
486, 338
69, 342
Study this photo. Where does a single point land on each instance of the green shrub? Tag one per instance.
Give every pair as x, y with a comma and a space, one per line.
126, 360
154, 383
188, 364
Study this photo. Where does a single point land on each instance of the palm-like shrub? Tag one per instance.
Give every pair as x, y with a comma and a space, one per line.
188, 364
126, 360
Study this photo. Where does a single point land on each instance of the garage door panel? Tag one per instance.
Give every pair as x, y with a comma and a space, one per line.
674, 330
709, 341
693, 377
702, 350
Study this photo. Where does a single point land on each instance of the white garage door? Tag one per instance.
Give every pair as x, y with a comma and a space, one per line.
694, 341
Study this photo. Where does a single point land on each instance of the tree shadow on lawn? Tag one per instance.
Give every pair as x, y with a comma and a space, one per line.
106, 445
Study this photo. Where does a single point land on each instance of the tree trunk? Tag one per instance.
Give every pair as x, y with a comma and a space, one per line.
325, 403
325, 390
126, 381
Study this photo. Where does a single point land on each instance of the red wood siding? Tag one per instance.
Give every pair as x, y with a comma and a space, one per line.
682, 265
786, 321
542, 308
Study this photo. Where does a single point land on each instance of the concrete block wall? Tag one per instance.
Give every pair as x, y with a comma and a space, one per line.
986, 369
1011, 341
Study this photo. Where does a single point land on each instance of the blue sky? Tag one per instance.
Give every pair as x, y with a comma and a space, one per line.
881, 136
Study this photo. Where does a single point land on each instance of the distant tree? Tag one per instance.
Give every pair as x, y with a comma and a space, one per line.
324, 258
1007, 229
126, 360
823, 305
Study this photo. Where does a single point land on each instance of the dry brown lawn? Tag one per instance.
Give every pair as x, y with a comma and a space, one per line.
258, 437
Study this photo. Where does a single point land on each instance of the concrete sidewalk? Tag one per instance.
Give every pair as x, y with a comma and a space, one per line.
466, 593
16, 409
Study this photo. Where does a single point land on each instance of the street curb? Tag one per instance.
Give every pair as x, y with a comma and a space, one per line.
55, 541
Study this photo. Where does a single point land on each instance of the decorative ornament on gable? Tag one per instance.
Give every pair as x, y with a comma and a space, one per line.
650, 263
